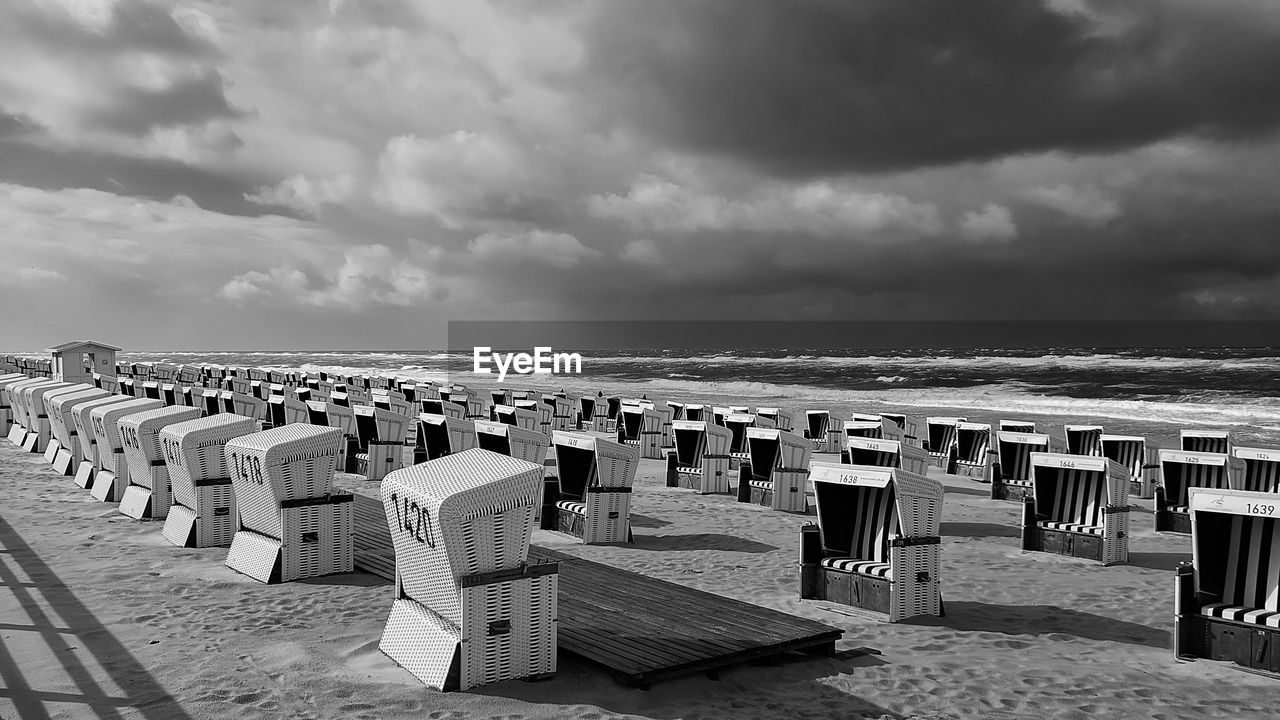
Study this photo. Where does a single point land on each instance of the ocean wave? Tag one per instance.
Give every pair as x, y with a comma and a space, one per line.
891, 379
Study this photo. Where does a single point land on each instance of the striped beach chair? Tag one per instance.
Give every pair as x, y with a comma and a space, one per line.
825, 434
586, 412
700, 459
1083, 440
737, 424
641, 427
1017, 426
695, 412
1258, 471
381, 435
1078, 506
1205, 441
1227, 601
590, 497
877, 542
439, 436
866, 426
874, 452
468, 607
782, 419
203, 513
1011, 463
149, 494
941, 441
973, 445
776, 473
112, 478
1131, 451
291, 524
1181, 471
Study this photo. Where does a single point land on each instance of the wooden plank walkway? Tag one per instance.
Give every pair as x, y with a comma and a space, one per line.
643, 630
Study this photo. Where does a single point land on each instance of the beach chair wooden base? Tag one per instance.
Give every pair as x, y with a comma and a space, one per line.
31, 442
17, 434
214, 525
604, 518
320, 542
84, 474
946, 462
709, 478
1089, 546
1172, 521
976, 471
64, 462
1006, 489
140, 503
785, 490
380, 460
51, 450
508, 631
108, 486
907, 586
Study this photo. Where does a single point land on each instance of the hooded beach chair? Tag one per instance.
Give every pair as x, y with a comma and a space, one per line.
469, 608
331, 414
292, 524
973, 446
641, 427
1179, 472
148, 494
700, 459
1205, 441
1258, 469
1131, 451
1018, 426
737, 424
283, 410
824, 433
875, 452
1083, 440
151, 390
865, 426
666, 416
590, 497
877, 542
519, 417
695, 412
81, 414
586, 412
500, 397
439, 435
543, 412
381, 436
782, 419
203, 513
1010, 471
112, 477
516, 442
62, 425
6, 406
437, 406
561, 411
677, 411
1078, 506
393, 401
1227, 600
904, 428
941, 441
301, 394
34, 420
775, 474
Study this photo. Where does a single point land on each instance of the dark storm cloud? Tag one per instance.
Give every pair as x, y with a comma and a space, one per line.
828, 86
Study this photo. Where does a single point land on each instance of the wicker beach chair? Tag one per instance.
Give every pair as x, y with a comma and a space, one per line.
874, 452
1078, 506
1258, 469
1227, 600
737, 424
1205, 441
973, 446
469, 609
782, 419
381, 435
941, 441
1181, 471
642, 428
32, 397
903, 428
776, 472
519, 417
148, 494
439, 435
283, 410
62, 425
292, 524
561, 411
1010, 471
542, 410
877, 542
824, 434
112, 478
203, 513
862, 425
1142, 463
87, 469
1083, 440
700, 459
590, 497
516, 442
677, 412
6, 405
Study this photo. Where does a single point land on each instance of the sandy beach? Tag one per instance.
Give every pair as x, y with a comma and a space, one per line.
100, 617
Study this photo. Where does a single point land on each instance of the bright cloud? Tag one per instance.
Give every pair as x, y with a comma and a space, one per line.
993, 222
1085, 204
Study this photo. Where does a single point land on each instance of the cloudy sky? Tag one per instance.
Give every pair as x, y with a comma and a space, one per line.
343, 174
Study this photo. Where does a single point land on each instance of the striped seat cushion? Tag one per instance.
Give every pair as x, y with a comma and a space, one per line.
1179, 509
859, 567
762, 484
1085, 442
572, 506
1019, 483
1251, 584
1073, 527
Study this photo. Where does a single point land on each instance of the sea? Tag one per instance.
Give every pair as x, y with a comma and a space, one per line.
1147, 391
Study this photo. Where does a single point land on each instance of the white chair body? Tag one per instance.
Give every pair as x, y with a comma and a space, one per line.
1079, 506
1260, 472
203, 513
874, 452
641, 427
148, 494
595, 477
778, 470
112, 478
700, 458
973, 444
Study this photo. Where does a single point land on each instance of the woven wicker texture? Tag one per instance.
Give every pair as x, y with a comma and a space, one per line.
62, 420
193, 451
17, 399
467, 513
140, 438
82, 414
514, 441
106, 421
292, 462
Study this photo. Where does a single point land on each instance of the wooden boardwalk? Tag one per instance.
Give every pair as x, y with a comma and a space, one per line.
643, 630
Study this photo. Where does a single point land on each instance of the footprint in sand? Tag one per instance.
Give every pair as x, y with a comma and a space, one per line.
248, 698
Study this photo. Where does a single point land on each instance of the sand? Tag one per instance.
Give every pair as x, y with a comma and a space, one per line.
100, 617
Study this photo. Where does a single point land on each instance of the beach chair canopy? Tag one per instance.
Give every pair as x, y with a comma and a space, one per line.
1014, 452
873, 452
861, 509
972, 442
1018, 426
62, 421
771, 449
140, 436
1260, 471
1181, 471
694, 412
376, 425
1083, 439
282, 410
695, 440
440, 435
1128, 450
816, 424
942, 433
1206, 441
517, 442
737, 424
106, 421
1072, 492
519, 417
861, 427
1235, 539
584, 461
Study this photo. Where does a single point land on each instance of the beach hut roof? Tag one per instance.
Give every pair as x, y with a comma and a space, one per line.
78, 344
